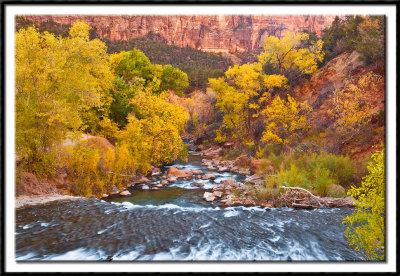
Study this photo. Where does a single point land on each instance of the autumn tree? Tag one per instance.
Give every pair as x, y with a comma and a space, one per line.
153, 131
61, 85
354, 105
285, 120
366, 227
247, 89
134, 72
287, 56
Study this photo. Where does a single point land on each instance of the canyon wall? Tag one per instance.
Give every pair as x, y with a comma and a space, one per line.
214, 33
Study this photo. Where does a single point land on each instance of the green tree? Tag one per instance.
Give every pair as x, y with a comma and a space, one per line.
174, 79
366, 227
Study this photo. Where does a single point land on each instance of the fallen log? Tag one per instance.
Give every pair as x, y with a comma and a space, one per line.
317, 198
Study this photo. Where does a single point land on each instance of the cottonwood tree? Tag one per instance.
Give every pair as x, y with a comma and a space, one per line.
61, 85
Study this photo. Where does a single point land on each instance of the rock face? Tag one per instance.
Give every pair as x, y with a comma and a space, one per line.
211, 33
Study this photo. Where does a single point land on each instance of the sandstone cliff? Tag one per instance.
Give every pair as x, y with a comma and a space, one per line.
214, 33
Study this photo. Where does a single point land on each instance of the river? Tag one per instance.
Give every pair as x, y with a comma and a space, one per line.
175, 223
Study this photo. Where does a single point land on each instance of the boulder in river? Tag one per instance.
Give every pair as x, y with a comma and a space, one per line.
164, 182
104, 195
217, 194
125, 193
197, 184
141, 180
194, 171
208, 196
209, 176
155, 172
172, 179
173, 171
206, 162
145, 187
223, 169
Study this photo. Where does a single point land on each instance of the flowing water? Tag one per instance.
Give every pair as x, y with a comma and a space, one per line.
175, 223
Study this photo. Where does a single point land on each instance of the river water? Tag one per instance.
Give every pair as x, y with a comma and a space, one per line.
175, 223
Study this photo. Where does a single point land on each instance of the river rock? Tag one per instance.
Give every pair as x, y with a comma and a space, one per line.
125, 193
223, 169
104, 195
155, 172
208, 196
217, 194
206, 162
159, 185
145, 187
244, 171
141, 180
155, 188
194, 171
249, 202
114, 190
172, 179
164, 182
212, 153
209, 176
256, 179
173, 171
263, 204
211, 168
197, 184
242, 161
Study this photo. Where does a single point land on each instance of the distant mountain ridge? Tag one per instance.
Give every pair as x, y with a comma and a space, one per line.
211, 33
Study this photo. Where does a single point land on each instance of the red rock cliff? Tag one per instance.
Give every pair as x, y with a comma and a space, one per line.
216, 33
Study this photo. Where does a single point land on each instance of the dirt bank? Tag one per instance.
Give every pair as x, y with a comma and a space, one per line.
26, 201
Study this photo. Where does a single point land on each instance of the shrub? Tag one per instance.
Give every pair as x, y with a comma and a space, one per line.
317, 172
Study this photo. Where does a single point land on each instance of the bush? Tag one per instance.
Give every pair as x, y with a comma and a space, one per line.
322, 173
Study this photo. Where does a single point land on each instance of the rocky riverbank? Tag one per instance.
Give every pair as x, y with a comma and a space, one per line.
229, 192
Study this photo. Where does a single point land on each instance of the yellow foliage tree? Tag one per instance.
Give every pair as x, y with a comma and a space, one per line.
285, 120
354, 104
61, 85
366, 227
153, 133
247, 88
286, 53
